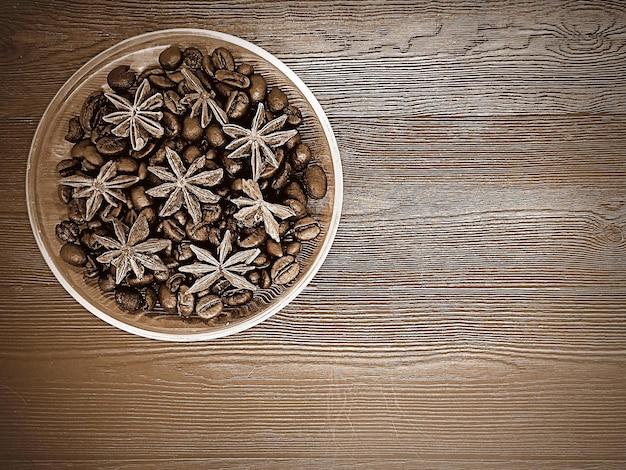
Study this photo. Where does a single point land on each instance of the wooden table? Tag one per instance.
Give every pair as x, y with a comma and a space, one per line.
472, 311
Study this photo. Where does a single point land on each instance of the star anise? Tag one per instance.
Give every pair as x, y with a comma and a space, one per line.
183, 186
203, 100
137, 120
212, 269
106, 186
256, 210
132, 252
258, 142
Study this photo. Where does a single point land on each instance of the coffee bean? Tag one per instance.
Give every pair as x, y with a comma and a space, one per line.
171, 124
237, 104
68, 166
143, 281
191, 152
261, 261
145, 152
107, 282
276, 100
93, 157
209, 306
301, 157
258, 88
162, 82
186, 302
128, 298
91, 270
294, 191
274, 249
192, 57
121, 78
184, 252
235, 298
171, 100
294, 115
315, 181
296, 206
293, 248
293, 142
215, 136
281, 179
110, 212
254, 239
192, 130
67, 231
234, 79
197, 232
73, 254
306, 229
211, 213
223, 59
246, 68
150, 299
232, 166
111, 146
92, 110
74, 130
76, 211
285, 269
173, 230
171, 58
207, 66
174, 282
65, 193
168, 299
150, 214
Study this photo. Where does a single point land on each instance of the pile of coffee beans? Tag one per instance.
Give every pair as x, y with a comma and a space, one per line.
187, 186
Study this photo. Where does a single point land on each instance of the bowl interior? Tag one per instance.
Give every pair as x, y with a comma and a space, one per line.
49, 147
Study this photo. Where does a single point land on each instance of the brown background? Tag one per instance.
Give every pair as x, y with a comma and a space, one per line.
471, 313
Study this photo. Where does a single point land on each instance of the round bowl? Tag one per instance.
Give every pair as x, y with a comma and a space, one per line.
49, 146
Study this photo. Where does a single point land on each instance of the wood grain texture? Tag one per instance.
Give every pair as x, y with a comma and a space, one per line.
472, 311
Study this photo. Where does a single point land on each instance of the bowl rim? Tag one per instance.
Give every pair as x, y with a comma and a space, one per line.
293, 291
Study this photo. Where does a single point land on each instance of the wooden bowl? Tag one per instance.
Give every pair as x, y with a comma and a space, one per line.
49, 146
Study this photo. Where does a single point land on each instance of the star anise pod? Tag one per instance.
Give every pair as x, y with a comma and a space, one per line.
132, 252
203, 101
183, 187
137, 120
231, 269
106, 186
258, 142
256, 210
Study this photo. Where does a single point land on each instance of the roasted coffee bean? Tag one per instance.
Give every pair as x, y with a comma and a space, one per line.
184, 252
129, 298
235, 298
107, 282
223, 59
74, 130
210, 155
121, 78
246, 69
234, 79
274, 249
301, 157
207, 65
192, 130
306, 229
150, 298
181, 217
258, 88
111, 146
173, 230
294, 191
139, 198
209, 306
171, 58
211, 213
223, 90
293, 248
232, 166
261, 261
76, 211
91, 270
214, 236
142, 171
145, 152
297, 207
294, 115
285, 270
254, 239
174, 282
215, 136
68, 167
171, 100
192, 57
150, 214
162, 276
186, 302
110, 212
93, 157
67, 231
237, 105
162, 82
171, 124
276, 100
92, 110
73, 254
168, 299
293, 142
143, 281
197, 232
281, 179
315, 181
65, 193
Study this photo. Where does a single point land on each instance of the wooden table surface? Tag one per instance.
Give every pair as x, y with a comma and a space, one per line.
472, 311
